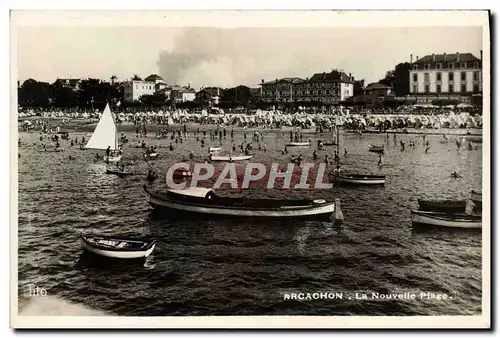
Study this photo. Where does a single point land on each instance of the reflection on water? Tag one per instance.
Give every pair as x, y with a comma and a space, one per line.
240, 266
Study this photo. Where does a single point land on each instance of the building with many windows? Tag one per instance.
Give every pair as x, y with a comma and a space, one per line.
134, 89
449, 76
326, 88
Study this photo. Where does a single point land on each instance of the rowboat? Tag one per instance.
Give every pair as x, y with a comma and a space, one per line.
151, 156
119, 172
474, 139
358, 179
182, 173
477, 198
442, 205
204, 201
215, 149
376, 148
230, 158
297, 144
117, 246
449, 220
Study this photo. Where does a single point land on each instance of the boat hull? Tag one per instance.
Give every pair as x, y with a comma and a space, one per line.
297, 144
442, 205
440, 220
230, 158
323, 210
151, 156
368, 180
116, 254
118, 173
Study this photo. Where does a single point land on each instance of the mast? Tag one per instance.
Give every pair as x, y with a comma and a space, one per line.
337, 160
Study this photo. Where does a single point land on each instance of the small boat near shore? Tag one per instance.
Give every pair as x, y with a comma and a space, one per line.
449, 206
358, 179
230, 158
376, 148
118, 172
215, 149
204, 201
151, 156
297, 144
117, 246
182, 173
448, 220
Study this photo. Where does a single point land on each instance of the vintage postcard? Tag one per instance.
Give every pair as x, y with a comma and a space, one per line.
250, 169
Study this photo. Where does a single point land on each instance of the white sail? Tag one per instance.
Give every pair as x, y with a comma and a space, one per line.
104, 135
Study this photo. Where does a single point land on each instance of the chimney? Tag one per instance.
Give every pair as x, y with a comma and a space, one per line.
444, 58
411, 58
416, 58
262, 81
481, 55
433, 57
458, 56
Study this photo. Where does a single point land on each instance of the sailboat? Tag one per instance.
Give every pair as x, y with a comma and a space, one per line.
105, 135
352, 179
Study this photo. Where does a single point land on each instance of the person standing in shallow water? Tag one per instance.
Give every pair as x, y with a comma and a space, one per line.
108, 150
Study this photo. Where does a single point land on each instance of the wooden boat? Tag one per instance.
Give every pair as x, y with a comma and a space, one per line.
151, 156
230, 158
182, 173
358, 179
105, 135
204, 201
442, 205
376, 148
477, 198
474, 139
297, 144
117, 246
118, 172
215, 149
449, 220
329, 144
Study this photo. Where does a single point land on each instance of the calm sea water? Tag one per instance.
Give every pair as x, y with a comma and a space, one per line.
243, 267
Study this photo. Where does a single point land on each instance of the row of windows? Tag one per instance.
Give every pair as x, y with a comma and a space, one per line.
303, 92
463, 76
463, 88
450, 65
309, 85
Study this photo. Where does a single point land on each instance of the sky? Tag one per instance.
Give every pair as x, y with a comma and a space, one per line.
226, 57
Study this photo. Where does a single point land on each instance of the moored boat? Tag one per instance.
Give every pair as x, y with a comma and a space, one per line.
182, 173
376, 148
442, 205
230, 158
358, 179
297, 144
204, 201
448, 220
215, 149
151, 156
118, 246
118, 172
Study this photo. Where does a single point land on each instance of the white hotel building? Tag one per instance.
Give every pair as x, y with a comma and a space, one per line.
453, 76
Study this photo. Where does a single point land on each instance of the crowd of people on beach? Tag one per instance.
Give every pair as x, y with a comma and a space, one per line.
268, 119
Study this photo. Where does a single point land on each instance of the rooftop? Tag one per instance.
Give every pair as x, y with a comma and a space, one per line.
154, 77
453, 57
